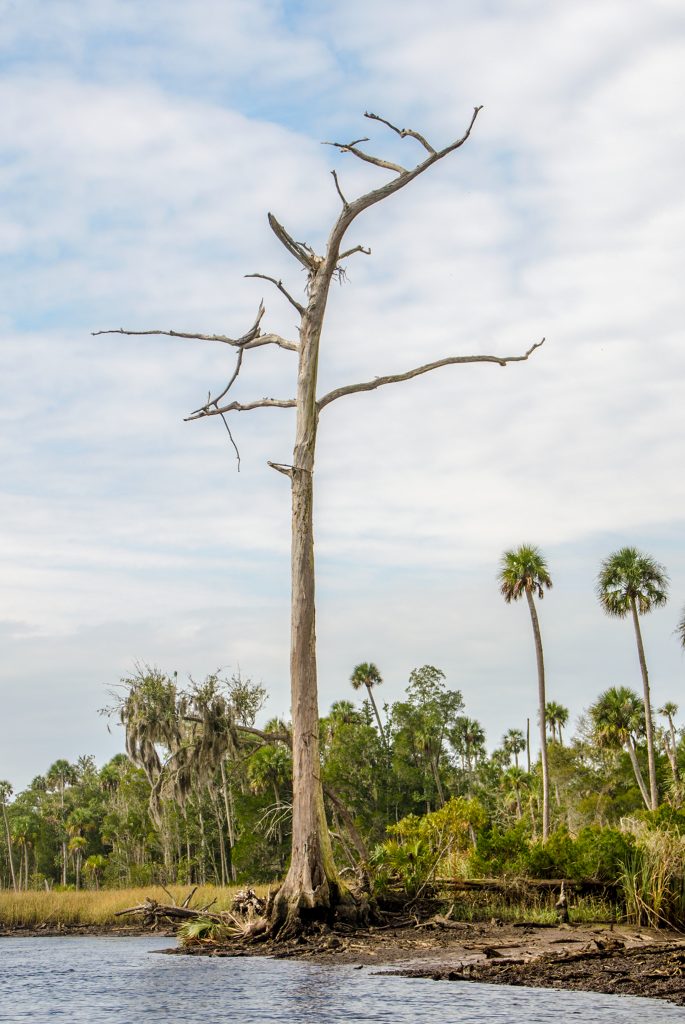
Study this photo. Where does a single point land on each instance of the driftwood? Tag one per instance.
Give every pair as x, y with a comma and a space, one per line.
246, 904
514, 885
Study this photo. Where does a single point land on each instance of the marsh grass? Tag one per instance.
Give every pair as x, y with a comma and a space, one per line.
653, 878
34, 909
534, 909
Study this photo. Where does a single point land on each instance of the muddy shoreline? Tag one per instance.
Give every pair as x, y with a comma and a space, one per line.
589, 958
585, 958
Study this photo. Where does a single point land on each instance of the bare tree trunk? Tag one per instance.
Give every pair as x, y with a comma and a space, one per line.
378, 717
311, 888
632, 754
672, 750
649, 727
229, 824
10, 857
541, 702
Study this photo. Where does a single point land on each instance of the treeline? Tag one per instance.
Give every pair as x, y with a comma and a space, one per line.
203, 795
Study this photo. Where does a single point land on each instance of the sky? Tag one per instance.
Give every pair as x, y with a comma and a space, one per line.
141, 147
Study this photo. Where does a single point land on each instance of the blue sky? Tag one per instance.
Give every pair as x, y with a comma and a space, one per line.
140, 149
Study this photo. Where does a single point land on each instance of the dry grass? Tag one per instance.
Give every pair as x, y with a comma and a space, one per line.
88, 907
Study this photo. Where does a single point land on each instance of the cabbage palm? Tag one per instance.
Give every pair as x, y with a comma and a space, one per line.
367, 674
5, 794
617, 718
632, 583
523, 572
670, 710
514, 743
556, 716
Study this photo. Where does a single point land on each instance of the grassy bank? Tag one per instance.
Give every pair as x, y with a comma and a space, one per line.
34, 909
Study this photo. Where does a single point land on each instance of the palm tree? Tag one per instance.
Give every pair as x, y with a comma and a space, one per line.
556, 716
467, 737
514, 743
617, 718
631, 582
514, 780
366, 674
670, 710
5, 794
523, 571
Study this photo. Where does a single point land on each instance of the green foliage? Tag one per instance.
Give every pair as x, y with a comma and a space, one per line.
652, 882
199, 928
423, 848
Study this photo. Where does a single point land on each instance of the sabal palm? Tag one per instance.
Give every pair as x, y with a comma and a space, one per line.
523, 572
514, 743
367, 674
556, 716
5, 794
617, 718
670, 710
632, 583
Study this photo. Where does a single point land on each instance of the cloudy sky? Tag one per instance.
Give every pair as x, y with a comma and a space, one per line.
141, 146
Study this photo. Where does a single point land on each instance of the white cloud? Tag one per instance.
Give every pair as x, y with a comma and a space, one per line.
141, 154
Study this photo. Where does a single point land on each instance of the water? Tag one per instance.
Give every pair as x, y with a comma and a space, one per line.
120, 981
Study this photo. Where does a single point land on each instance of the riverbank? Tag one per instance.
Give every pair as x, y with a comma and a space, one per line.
589, 958
611, 959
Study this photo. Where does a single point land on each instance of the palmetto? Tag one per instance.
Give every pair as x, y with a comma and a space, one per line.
632, 583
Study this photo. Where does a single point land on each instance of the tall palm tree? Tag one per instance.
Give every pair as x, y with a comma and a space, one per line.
523, 572
632, 583
367, 674
617, 718
5, 794
670, 710
556, 716
514, 743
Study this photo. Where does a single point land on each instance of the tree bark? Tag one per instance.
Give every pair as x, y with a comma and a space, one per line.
10, 857
632, 754
541, 702
649, 727
311, 888
378, 717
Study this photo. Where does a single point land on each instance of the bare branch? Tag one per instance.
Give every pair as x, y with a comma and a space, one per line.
262, 403
237, 453
351, 147
397, 378
300, 250
349, 214
253, 338
339, 190
402, 132
282, 467
215, 401
279, 284
351, 252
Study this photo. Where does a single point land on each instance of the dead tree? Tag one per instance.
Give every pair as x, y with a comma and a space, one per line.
312, 889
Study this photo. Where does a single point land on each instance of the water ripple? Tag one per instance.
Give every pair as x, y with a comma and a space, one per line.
84, 980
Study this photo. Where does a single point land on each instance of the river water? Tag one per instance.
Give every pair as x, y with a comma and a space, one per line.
122, 981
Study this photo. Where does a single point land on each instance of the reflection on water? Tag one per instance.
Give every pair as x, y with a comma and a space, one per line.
120, 981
